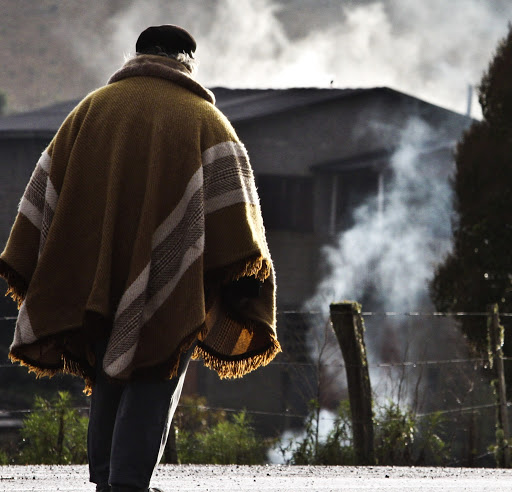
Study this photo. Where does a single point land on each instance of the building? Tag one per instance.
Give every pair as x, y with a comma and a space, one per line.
316, 154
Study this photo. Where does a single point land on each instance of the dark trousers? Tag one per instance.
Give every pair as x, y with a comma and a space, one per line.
129, 424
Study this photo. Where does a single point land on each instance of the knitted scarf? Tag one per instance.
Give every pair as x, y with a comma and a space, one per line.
138, 218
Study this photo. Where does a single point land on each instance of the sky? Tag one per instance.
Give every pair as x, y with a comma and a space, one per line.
433, 50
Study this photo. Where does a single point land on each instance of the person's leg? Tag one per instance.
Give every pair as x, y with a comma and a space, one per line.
105, 399
142, 426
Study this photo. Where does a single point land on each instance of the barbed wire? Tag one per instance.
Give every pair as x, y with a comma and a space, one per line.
426, 314
413, 364
8, 413
400, 313
386, 364
339, 365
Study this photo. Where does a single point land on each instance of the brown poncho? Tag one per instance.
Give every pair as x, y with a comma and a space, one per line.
139, 213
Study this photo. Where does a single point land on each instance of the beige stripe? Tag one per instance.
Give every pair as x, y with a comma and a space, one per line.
163, 231
168, 225
45, 161
24, 333
231, 198
121, 363
51, 195
31, 212
192, 254
134, 291
221, 150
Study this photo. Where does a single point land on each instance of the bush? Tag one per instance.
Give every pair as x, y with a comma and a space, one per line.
205, 437
403, 438
4, 458
394, 435
336, 449
54, 433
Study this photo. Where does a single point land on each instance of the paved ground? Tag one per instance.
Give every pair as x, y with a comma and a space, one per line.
275, 478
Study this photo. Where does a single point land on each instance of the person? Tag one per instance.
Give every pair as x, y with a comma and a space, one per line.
138, 244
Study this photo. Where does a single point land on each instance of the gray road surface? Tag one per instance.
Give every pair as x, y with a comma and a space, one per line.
275, 478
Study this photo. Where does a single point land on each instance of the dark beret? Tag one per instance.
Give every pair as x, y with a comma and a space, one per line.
167, 38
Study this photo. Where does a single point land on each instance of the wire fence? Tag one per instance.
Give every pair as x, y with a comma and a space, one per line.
419, 360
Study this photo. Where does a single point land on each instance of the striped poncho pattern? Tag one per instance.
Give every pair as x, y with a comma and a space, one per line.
139, 215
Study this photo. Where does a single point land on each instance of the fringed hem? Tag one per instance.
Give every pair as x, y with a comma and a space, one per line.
17, 284
69, 366
184, 347
235, 367
165, 370
256, 266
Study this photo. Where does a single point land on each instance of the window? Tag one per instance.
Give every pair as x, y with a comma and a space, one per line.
286, 202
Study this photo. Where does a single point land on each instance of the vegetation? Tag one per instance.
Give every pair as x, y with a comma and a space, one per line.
54, 433
4, 458
478, 272
211, 438
401, 438
335, 450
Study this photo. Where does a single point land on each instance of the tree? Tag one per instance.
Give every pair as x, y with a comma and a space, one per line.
478, 272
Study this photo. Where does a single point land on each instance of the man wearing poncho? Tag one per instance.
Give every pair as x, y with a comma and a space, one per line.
138, 243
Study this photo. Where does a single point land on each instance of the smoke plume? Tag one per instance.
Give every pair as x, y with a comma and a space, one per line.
429, 49
389, 255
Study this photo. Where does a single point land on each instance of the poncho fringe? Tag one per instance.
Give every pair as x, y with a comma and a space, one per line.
227, 368
17, 286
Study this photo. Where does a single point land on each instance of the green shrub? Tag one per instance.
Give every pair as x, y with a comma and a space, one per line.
54, 433
336, 449
403, 438
394, 435
4, 458
207, 437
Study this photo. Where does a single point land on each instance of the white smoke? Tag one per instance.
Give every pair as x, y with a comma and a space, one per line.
432, 50
393, 251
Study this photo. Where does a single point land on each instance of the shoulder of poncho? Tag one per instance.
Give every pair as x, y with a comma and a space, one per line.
164, 68
203, 109
213, 125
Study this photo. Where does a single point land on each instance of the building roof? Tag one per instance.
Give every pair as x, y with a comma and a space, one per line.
41, 121
245, 104
237, 104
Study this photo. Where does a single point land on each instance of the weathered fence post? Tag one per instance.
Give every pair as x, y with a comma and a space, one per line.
496, 340
349, 329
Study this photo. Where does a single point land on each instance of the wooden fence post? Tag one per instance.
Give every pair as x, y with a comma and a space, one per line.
496, 340
349, 329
